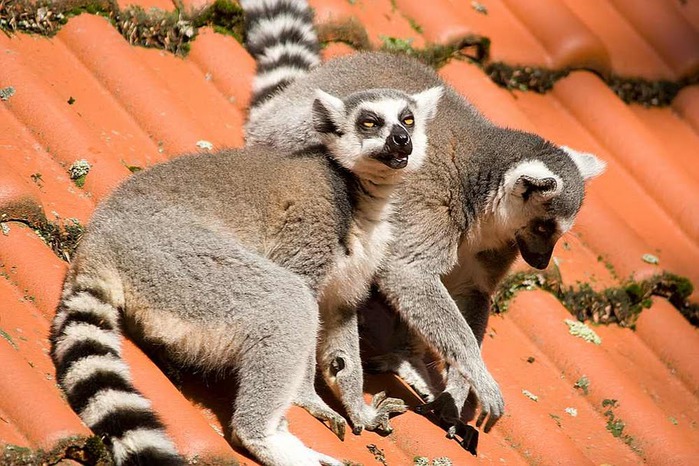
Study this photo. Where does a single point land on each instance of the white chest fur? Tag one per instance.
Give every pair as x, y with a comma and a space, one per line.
349, 280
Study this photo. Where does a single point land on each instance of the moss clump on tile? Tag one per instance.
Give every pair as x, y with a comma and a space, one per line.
643, 91
6, 93
224, 17
583, 384
616, 426
62, 239
474, 48
78, 172
83, 450
8, 337
580, 330
523, 78
621, 305
166, 30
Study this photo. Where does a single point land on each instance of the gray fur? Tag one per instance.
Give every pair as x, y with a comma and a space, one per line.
228, 261
454, 215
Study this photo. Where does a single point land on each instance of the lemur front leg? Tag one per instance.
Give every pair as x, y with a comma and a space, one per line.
451, 405
308, 399
340, 362
426, 306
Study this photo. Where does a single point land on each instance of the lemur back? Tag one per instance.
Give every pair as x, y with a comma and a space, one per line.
222, 261
485, 194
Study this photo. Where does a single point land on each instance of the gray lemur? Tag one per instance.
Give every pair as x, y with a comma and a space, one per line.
237, 261
485, 194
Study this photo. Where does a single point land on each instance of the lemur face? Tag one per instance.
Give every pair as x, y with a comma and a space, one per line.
541, 196
376, 132
387, 136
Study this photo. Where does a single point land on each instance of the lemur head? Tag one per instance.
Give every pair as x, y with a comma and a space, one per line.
540, 196
378, 131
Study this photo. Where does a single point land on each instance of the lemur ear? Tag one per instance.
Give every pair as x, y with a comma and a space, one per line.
588, 164
328, 111
427, 101
532, 179
528, 187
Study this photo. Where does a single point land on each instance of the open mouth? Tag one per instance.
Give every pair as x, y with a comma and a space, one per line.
394, 160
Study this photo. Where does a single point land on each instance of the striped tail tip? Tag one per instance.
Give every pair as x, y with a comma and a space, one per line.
281, 38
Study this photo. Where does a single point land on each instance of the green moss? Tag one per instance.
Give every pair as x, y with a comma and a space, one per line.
84, 450
61, 238
224, 17
523, 78
436, 56
621, 305
583, 384
7, 337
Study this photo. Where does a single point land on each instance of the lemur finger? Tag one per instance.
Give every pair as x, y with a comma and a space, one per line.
392, 405
481, 418
491, 422
338, 427
378, 398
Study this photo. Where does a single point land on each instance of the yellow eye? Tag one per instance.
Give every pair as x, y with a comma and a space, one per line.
368, 124
408, 121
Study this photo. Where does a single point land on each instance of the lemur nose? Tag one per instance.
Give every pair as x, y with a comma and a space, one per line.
401, 139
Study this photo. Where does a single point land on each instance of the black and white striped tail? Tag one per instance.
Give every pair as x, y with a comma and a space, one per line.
86, 349
281, 38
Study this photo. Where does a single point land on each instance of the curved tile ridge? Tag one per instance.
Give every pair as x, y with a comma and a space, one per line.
17, 199
619, 37
383, 21
32, 267
669, 335
612, 122
649, 429
47, 418
631, 355
229, 66
568, 40
23, 156
112, 61
519, 365
666, 31
52, 125
687, 104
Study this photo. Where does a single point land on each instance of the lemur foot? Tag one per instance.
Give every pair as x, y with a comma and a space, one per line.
376, 416
317, 408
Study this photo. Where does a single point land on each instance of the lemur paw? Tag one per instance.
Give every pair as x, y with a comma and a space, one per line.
377, 415
492, 405
318, 409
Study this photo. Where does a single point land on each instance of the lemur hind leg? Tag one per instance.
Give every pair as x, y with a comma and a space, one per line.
308, 399
338, 350
272, 365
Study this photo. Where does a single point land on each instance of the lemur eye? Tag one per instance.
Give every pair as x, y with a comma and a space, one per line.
541, 229
409, 120
368, 123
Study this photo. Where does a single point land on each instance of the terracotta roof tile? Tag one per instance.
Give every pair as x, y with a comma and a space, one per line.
87, 94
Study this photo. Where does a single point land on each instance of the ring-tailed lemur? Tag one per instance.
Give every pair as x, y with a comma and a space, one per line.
222, 260
485, 194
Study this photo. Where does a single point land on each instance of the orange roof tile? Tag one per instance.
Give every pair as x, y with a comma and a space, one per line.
85, 93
